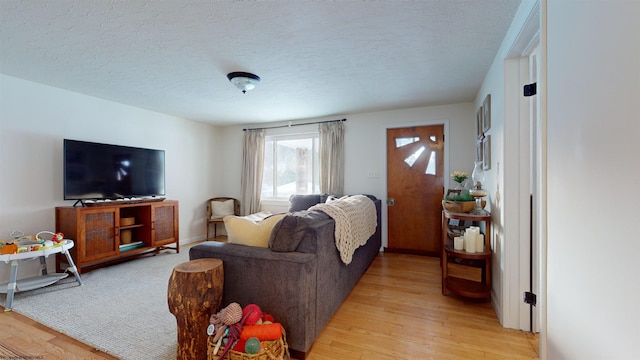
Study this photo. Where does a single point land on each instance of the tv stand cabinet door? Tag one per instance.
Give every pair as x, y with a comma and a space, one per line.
98, 231
164, 223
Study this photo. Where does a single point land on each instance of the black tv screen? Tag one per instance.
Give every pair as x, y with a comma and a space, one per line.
103, 171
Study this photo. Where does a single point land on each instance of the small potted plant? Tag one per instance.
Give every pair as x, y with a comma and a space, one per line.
459, 203
460, 200
459, 177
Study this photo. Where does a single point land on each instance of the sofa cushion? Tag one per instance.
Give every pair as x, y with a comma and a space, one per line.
288, 234
303, 202
243, 231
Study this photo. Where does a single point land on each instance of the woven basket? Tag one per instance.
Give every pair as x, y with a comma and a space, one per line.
127, 221
460, 206
271, 350
125, 236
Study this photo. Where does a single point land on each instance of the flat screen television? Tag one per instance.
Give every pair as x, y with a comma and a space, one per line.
102, 171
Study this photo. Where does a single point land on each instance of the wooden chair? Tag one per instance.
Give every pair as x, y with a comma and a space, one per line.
215, 219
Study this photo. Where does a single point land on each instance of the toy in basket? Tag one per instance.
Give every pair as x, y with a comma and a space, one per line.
245, 334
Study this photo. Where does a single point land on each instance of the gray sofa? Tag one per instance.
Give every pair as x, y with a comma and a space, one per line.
300, 278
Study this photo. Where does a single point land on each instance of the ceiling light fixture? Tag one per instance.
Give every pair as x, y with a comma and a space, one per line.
243, 80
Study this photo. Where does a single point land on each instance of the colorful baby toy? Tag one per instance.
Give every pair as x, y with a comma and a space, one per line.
22, 243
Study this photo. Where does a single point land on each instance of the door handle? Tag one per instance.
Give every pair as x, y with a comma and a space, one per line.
391, 201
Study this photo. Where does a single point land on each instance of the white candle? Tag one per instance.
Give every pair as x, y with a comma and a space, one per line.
474, 234
480, 242
470, 240
458, 243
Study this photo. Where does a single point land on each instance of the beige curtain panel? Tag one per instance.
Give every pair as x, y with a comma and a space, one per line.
252, 166
331, 157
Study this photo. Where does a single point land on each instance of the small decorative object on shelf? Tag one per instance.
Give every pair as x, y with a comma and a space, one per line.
458, 243
473, 240
459, 177
470, 239
459, 202
478, 192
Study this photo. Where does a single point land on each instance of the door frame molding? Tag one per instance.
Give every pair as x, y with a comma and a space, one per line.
518, 146
383, 165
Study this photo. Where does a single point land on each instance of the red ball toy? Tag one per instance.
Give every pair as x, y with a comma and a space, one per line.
252, 314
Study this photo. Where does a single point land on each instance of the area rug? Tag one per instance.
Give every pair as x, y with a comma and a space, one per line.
121, 309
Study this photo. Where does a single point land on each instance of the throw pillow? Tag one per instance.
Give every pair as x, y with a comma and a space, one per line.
243, 231
220, 209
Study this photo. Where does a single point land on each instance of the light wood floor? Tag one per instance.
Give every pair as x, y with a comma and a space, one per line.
395, 312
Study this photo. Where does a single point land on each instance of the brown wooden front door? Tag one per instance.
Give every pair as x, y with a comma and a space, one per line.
415, 185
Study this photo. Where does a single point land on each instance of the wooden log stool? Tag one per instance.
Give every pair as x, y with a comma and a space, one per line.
194, 294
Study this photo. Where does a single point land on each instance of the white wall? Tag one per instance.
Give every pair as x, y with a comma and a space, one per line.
494, 177
34, 119
593, 87
365, 152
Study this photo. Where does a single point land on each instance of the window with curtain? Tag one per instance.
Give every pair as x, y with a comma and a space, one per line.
331, 157
290, 166
252, 165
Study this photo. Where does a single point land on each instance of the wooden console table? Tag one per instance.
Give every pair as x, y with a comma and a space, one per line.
465, 287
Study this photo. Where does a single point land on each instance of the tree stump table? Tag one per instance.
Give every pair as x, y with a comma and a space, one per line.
194, 294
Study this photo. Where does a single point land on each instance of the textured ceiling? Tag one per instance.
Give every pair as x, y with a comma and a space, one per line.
315, 58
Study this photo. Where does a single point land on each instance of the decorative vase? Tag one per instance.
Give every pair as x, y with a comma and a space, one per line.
477, 175
467, 185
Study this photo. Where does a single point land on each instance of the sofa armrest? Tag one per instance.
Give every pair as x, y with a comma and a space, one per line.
281, 283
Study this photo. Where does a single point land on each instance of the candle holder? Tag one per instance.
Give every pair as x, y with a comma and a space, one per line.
478, 192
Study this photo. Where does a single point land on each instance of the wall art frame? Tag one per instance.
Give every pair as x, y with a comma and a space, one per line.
486, 113
486, 152
479, 124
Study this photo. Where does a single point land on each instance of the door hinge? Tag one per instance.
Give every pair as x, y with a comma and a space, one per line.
530, 298
531, 89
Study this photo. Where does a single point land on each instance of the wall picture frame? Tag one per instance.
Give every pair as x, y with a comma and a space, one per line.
486, 113
479, 123
486, 152
479, 156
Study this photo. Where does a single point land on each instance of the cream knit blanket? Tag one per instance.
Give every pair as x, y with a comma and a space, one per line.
356, 220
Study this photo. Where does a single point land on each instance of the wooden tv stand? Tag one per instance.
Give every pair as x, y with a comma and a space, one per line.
101, 239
